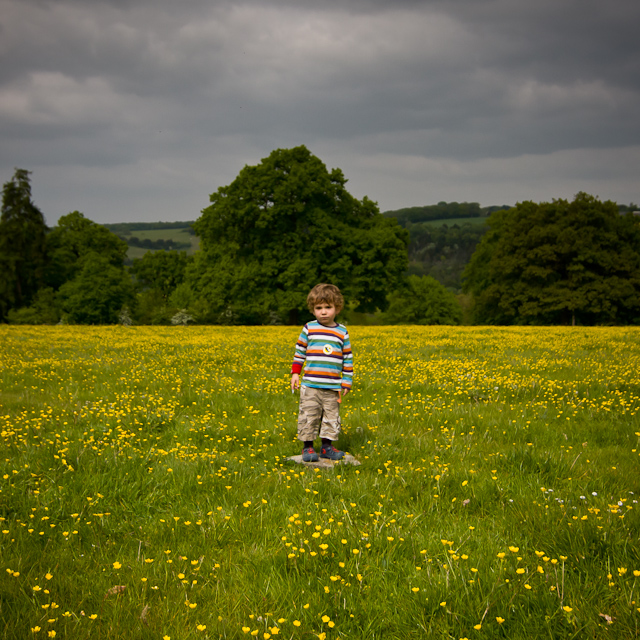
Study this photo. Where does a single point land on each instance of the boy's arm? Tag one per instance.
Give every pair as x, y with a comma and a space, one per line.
299, 358
347, 366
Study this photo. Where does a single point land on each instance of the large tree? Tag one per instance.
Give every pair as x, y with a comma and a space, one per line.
22, 244
558, 262
86, 266
72, 239
280, 228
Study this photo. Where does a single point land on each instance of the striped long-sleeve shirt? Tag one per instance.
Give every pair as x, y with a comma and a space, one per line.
326, 355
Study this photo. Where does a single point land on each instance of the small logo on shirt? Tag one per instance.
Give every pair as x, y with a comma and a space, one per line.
327, 349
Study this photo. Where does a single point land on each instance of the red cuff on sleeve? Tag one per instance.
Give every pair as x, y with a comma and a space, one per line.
296, 367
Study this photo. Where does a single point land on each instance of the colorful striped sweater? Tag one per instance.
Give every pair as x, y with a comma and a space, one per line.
326, 355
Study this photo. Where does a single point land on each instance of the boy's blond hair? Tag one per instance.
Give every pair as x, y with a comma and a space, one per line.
325, 293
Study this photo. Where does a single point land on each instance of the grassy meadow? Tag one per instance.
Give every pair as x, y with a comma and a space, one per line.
145, 490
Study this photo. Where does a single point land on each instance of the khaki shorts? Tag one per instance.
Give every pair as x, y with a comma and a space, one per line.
319, 411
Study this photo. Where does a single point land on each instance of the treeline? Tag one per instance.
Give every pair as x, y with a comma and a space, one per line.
258, 258
288, 223
558, 262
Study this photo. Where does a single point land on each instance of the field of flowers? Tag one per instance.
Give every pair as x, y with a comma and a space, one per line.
146, 490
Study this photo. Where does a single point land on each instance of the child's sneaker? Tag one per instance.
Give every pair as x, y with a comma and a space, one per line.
309, 455
330, 452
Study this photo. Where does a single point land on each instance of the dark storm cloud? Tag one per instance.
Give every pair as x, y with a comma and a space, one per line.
139, 109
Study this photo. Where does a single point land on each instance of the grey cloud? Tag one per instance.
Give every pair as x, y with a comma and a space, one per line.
183, 94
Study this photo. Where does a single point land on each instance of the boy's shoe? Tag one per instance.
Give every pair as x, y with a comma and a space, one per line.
309, 455
331, 453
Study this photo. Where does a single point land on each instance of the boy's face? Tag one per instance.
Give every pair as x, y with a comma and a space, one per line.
325, 313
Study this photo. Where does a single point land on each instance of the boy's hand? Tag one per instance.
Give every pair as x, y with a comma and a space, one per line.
342, 393
295, 382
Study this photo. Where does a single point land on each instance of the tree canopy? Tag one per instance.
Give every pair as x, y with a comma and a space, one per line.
558, 263
281, 227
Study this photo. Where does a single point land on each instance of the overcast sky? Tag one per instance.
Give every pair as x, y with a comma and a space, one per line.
137, 110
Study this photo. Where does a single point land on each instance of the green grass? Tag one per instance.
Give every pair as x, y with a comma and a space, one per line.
145, 490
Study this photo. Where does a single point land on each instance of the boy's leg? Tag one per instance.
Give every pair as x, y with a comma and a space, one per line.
309, 417
330, 426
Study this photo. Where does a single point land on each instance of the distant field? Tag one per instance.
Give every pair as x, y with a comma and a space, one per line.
177, 235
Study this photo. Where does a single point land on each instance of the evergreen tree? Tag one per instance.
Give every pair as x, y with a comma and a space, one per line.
22, 244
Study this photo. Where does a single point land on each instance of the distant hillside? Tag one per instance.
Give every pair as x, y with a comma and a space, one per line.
443, 237
155, 236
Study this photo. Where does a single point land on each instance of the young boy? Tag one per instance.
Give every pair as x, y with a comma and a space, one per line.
325, 348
